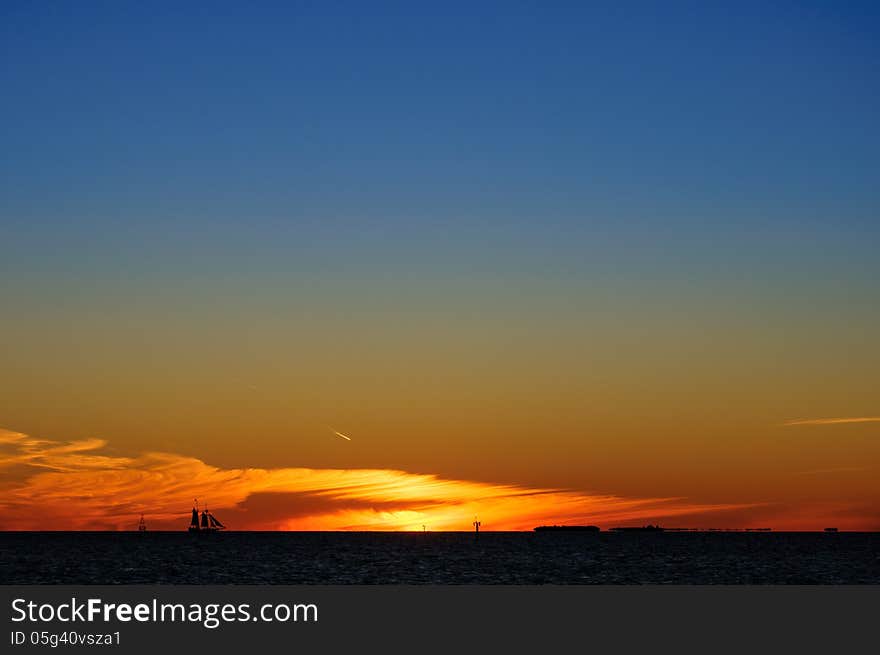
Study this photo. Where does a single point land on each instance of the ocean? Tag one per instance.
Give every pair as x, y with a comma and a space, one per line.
439, 558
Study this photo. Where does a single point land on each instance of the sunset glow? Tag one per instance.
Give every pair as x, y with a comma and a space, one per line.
362, 269
72, 486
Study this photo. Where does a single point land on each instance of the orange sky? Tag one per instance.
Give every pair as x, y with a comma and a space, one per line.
657, 402
78, 486
562, 266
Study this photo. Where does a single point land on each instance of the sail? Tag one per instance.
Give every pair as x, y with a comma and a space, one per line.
214, 522
204, 519
195, 518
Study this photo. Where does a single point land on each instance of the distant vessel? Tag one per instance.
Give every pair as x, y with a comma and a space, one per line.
567, 528
644, 528
207, 523
830, 529
142, 525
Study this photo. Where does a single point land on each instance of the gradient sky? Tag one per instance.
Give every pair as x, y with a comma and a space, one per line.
541, 262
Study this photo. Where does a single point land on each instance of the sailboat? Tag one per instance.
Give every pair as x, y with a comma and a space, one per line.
204, 523
142, 525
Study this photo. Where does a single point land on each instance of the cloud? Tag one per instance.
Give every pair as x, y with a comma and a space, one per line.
72, 486
833, 421
829, 471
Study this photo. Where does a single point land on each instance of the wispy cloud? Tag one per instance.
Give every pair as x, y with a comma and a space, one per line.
833, 421
73, 486
830, 471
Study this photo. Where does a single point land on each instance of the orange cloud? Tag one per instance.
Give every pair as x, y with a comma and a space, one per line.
71, 486
833, 421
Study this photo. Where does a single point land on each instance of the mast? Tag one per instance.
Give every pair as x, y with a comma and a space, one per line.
203, 521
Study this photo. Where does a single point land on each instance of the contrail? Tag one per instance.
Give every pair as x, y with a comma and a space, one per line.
833, 421
339, 434
841, 469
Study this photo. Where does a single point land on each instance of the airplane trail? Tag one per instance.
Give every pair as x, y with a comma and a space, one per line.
833, 421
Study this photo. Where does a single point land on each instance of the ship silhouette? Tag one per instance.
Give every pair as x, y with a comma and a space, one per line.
643, 528
567, 528
207, 523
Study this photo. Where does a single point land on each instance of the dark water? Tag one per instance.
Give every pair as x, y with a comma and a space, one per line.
439, 558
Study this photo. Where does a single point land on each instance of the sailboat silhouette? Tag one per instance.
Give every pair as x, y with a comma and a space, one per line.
206, 523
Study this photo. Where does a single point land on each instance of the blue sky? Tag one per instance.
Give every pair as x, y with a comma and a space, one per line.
500, 110
570, 140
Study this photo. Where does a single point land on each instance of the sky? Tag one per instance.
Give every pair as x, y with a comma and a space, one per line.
540, 262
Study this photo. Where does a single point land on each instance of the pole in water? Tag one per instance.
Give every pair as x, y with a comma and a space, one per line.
477, 525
